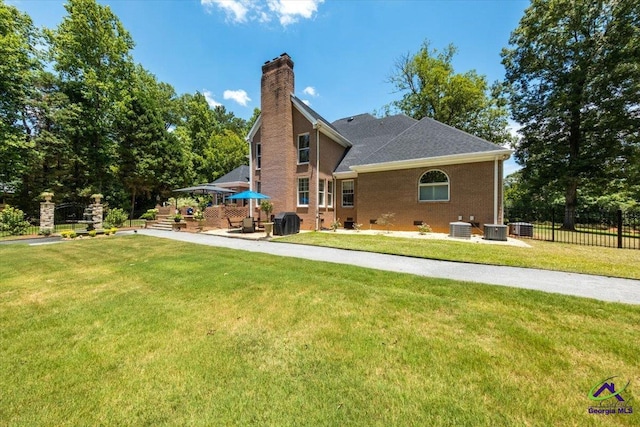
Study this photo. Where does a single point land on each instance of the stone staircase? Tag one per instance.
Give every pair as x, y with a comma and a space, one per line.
163, 223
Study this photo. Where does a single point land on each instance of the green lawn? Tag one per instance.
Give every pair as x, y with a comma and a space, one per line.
132, 330
546, 255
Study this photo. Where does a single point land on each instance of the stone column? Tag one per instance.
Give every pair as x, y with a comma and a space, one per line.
47, 211
96, 209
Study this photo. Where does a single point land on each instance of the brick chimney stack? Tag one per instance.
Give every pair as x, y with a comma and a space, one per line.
279, 148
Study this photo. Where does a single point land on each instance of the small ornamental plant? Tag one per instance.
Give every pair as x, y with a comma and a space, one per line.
92, 233
336, 224
113, 230
150, 214
198, 215
424, 228
386, 220
357, 227
266, 207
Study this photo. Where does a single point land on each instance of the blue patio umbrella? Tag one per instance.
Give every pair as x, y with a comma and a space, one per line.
248, 194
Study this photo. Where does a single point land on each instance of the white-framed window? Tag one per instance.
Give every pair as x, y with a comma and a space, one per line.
330, 193
321, 192
258, 155
433, 187
303, 191
347, 193
259, 190
303, 148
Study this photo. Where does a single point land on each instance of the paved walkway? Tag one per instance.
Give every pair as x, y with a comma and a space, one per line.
582, 285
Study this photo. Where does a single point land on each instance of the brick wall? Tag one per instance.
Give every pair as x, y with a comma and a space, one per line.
471, 193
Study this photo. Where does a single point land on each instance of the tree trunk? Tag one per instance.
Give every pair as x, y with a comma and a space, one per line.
570, 203
133, 203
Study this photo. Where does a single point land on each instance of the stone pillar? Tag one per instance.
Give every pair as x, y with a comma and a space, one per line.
47, 211
96, 209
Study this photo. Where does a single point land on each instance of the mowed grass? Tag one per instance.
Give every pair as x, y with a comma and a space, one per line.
133, 330
545, 255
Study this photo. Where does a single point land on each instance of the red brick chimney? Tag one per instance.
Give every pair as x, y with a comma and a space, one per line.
279, 148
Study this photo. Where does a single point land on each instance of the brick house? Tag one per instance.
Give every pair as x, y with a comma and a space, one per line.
357, 168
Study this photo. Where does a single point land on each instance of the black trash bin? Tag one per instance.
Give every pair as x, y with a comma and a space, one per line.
286, 223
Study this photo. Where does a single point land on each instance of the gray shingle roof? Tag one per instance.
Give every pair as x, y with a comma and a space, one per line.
425, 139
367, 134
239, 174
312, 112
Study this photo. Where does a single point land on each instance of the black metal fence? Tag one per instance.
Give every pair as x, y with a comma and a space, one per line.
614, 229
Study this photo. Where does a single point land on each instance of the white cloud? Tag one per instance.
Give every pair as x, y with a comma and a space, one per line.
311, 91
288, 11
236, 10
285, 11
209, 97
240, 96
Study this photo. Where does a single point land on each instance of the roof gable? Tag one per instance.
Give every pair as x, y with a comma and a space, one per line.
367, 134
429, 138
239, 174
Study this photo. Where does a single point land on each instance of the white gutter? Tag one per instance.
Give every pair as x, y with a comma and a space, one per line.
495, 190
485, 156
318, 178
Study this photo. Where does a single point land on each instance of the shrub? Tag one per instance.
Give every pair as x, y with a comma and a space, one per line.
92, 233
336, 224
151, 214
68, 234
386, 220
424, 228
12, 221
116, 217
107, 231
46, 232
113, 230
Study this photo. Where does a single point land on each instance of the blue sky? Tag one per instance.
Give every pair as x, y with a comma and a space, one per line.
343, 50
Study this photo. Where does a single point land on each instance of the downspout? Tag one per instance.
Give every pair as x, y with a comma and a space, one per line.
250, 175
317, 126
495, 190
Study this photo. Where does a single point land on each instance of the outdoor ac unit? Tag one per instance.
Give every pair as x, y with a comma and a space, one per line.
495, 232
460, 230
522, 229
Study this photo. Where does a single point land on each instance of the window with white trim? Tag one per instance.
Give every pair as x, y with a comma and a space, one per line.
433, 187
321, 192
330, 193
303, 191
347, 193
303, 148
258, 155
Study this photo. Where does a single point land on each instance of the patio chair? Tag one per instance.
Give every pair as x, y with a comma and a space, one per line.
234, 224
248, 226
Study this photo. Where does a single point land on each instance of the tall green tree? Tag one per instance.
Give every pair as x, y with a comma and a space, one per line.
19, 63
573, 69
431, 88
150, 161
91, 53
50, 120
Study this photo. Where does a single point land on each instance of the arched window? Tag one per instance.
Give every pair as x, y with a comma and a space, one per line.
433, 186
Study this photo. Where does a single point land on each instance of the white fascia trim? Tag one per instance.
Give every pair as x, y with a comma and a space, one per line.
345, 175
321, 125
254, 129
233, 184
484, 156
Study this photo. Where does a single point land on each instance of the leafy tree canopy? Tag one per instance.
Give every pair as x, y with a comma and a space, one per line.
573, 71
432, 88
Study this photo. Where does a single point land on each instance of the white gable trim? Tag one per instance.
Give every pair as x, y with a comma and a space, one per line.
320, 125
485, 156
254, 129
